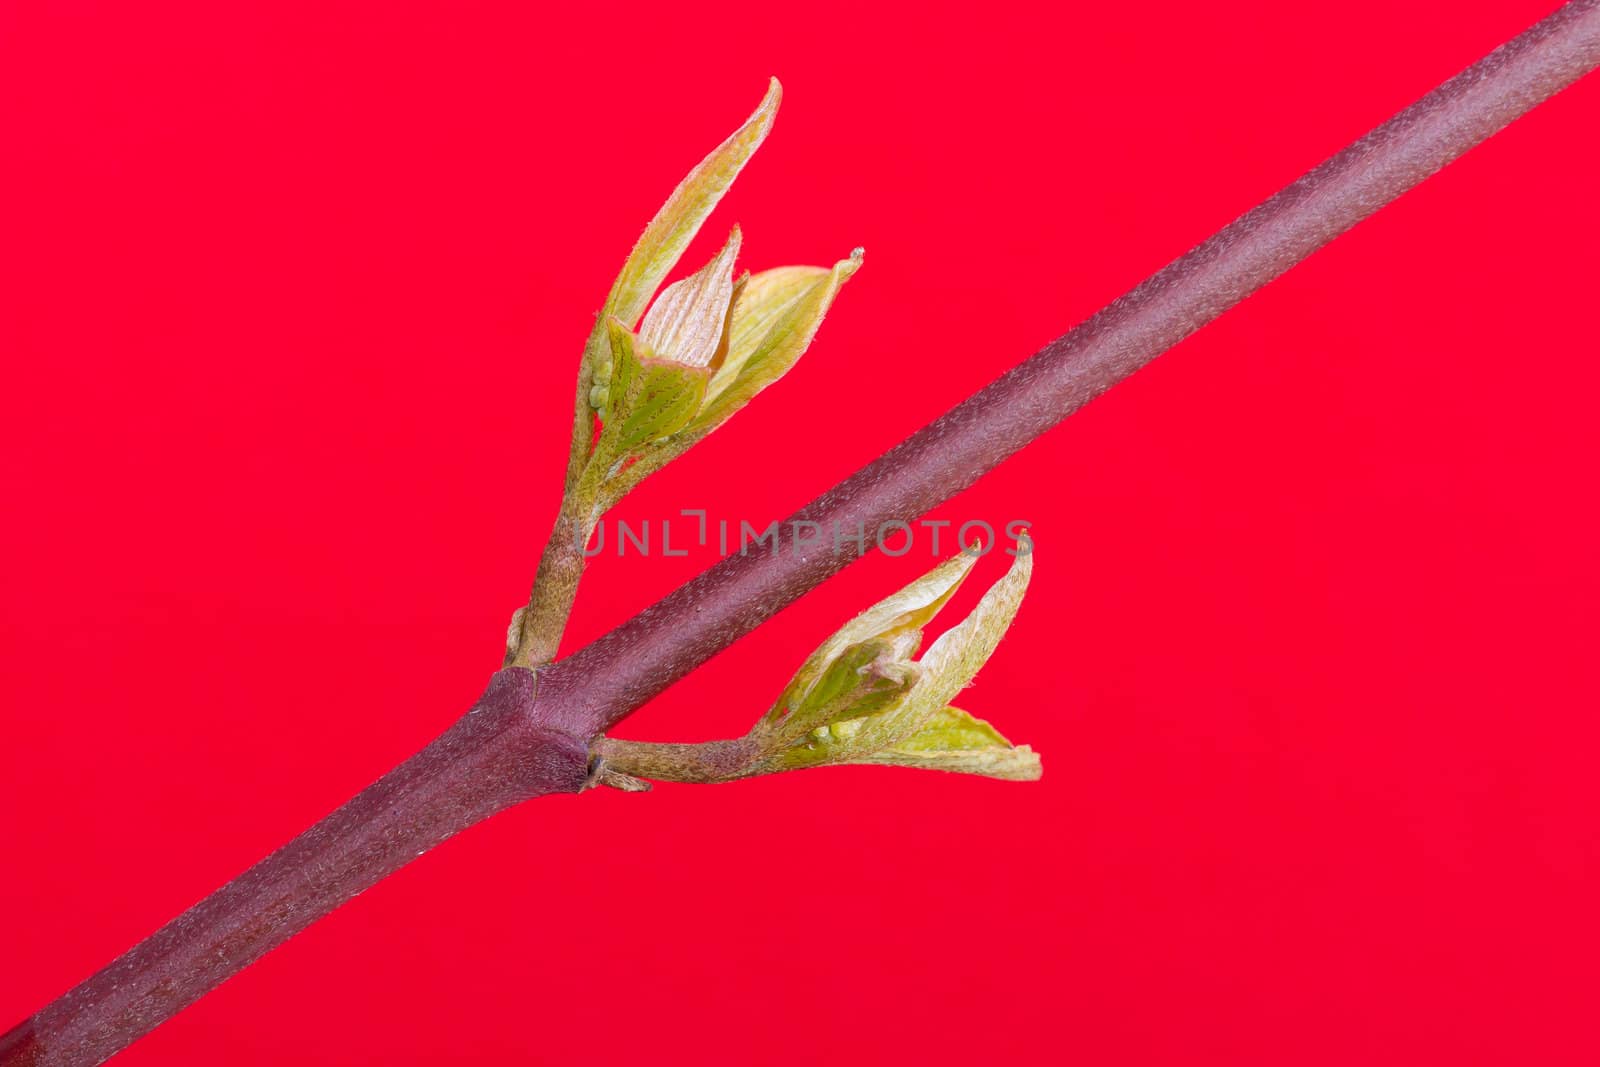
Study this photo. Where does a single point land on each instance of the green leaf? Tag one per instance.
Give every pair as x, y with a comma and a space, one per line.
680, 218
651, 399
952, 740
865, 679
656, 253
773, 321
947, 667
954, 659
860, 699
897, 621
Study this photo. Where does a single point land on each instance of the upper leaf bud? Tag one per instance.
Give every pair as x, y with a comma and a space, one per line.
742, 334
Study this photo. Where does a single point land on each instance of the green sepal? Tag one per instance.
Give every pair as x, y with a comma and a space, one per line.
651, 399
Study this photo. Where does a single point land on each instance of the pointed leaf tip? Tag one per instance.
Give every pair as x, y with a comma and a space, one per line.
681, 217
883, 724
861, 699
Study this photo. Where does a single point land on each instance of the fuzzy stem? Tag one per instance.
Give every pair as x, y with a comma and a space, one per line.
509, 749
536, 636
697, 763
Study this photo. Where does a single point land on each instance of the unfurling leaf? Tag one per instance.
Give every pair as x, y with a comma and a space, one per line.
774, 318
893, 626
945, 669
955, 741
861, 698
745, 343
657, 252
864, 679
688, 323
743, 333
651, 398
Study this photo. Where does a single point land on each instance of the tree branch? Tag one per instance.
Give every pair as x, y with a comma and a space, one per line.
493, 757
518, 743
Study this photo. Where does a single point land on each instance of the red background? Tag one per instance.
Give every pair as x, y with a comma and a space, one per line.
291, 303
